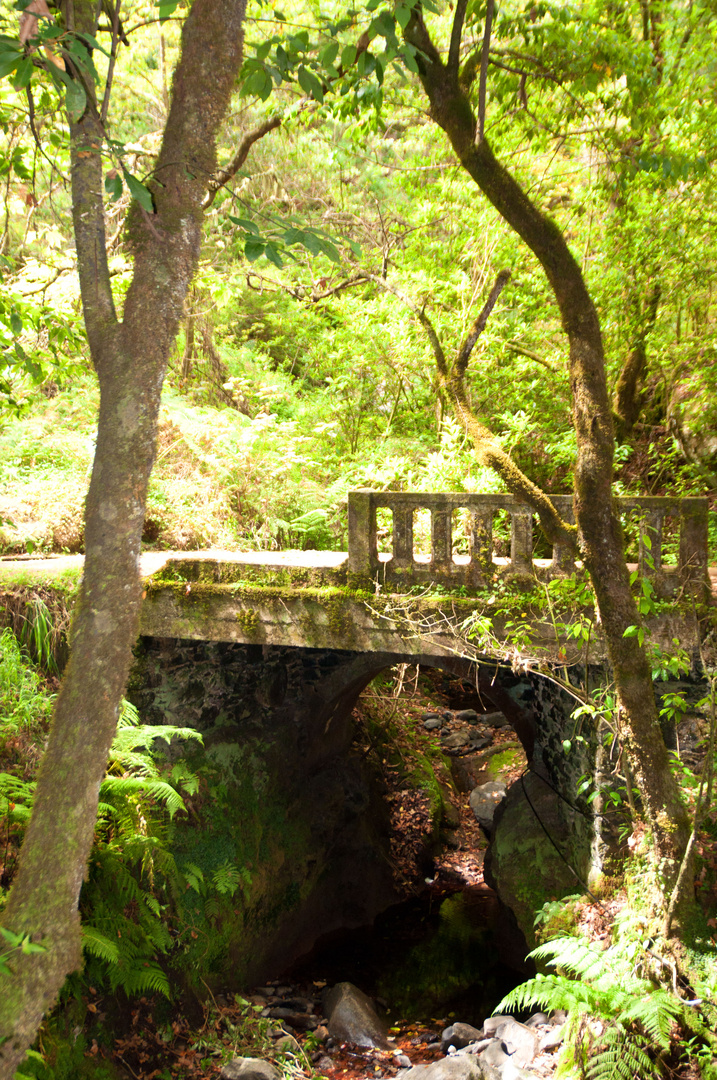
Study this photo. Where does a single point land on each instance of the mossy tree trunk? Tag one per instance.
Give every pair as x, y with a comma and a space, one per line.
600, 539
627, 399
130, 357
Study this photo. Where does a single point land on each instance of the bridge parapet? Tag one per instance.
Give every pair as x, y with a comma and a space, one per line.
462, 539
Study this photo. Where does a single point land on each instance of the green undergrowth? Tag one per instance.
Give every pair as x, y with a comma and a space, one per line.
395, 739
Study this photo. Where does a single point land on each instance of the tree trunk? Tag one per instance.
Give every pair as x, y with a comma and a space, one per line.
599, 530
627, 396
130, 358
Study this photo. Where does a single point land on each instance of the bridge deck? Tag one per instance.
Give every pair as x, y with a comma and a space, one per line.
48, 567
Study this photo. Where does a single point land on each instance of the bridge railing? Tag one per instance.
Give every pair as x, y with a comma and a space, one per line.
474, 539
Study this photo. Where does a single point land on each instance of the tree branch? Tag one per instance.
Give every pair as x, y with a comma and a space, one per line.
488, 449
522, 351
88, 214
456, 35
464, 353
483, 81
224, 175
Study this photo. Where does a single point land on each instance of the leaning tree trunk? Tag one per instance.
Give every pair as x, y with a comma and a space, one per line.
599, 531
130, 358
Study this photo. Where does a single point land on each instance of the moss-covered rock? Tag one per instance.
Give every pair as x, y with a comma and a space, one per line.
538, 849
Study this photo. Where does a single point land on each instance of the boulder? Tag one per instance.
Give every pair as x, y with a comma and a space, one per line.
249, 1068
433, 724
536, 1019
492, 1023
514, 1072
485, 800
287, 1044
520, 1041
495, 1054
457, 740
459, 1035
495, 719
453, 1068
536, 839
303, 1021
467, 716
353, 1018
553, 1039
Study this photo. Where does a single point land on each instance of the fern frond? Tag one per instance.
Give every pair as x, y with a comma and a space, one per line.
620, 1055
549, 992
655, 1013
144, 978
99, 945
577, 957
126, 786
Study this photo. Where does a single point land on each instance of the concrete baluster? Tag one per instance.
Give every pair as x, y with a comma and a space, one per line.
521, 540
650, 553
402, 536
482, 540
693, 546
441, 538
563, 561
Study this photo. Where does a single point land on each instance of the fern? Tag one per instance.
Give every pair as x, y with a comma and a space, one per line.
99, 945
617, 1023
620, 1056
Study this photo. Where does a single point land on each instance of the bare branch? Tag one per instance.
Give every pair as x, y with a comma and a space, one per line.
484, 71
348, 284
522, 351
113, 61
479, 325
224, 175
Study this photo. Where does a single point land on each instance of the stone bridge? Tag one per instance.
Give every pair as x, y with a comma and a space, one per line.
266, 654
422, 574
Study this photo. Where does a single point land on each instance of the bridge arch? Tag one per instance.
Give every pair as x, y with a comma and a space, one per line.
296, 803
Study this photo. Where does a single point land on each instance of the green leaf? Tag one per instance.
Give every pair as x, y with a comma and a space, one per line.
75, 100
138, 191
15, 323
348, 57
310, 84
29, 947
409, 59
9, 60
329, 250
93, 43
245, 224
253, 249
272, 253
23, 74
167, 8
366, 63
258, 84
113, 185
403, 15
329, 54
